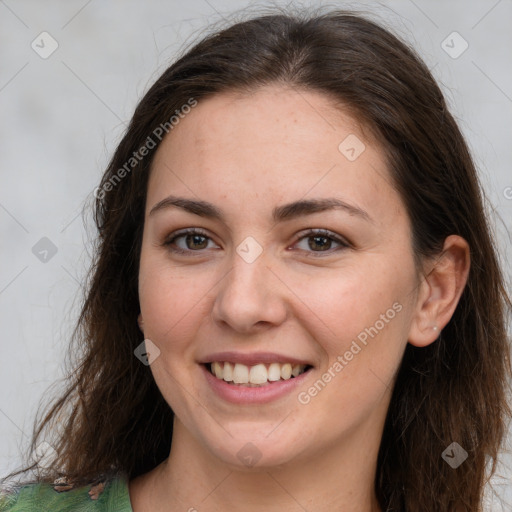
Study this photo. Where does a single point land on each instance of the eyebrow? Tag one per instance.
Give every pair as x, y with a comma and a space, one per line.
279, 214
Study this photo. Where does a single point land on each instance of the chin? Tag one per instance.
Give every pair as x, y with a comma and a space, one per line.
253, 453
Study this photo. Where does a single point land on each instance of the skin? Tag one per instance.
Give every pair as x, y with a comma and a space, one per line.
248, 154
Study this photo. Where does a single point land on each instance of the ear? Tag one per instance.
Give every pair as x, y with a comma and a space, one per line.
440, 291
140, 321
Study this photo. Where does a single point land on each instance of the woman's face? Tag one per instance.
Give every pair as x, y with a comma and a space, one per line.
255, 288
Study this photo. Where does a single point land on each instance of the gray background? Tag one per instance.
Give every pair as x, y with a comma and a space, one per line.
62, 116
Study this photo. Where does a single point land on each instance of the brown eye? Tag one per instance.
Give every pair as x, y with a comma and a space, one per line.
191, 240
321, 241
196, 241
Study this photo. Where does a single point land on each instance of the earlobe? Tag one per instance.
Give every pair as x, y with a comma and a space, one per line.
140, 321
440, 291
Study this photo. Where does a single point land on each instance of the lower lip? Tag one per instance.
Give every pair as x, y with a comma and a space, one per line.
240, 394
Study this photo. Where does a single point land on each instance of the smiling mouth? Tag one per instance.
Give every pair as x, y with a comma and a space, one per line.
257, 375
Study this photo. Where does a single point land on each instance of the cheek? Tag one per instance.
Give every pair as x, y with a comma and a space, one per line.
339, 305
358, 321
172, 301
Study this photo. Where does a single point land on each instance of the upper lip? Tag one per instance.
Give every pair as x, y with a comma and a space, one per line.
253, 358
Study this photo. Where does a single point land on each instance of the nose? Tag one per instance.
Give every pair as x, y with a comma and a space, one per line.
250, 297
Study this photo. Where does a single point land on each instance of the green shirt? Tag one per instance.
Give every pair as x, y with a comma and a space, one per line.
108, 495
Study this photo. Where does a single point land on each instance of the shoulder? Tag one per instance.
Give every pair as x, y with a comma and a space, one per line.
104, 494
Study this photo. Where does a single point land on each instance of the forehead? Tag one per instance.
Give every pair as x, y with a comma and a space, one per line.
274, 145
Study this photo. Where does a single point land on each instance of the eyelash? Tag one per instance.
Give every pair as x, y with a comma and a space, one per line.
308, 234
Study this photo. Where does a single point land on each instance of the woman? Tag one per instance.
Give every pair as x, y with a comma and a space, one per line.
294, 226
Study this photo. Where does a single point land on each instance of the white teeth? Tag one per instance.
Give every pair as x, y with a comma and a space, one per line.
274, 372
258, 374
296, 370
240, 374
217, 369
227, 372
286, 371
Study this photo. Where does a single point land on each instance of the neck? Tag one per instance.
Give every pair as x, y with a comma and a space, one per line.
341, 478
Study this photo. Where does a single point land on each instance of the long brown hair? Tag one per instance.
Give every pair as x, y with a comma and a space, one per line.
112, 416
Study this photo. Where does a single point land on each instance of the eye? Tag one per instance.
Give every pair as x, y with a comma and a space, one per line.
187, 241
313, 241
321, 241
